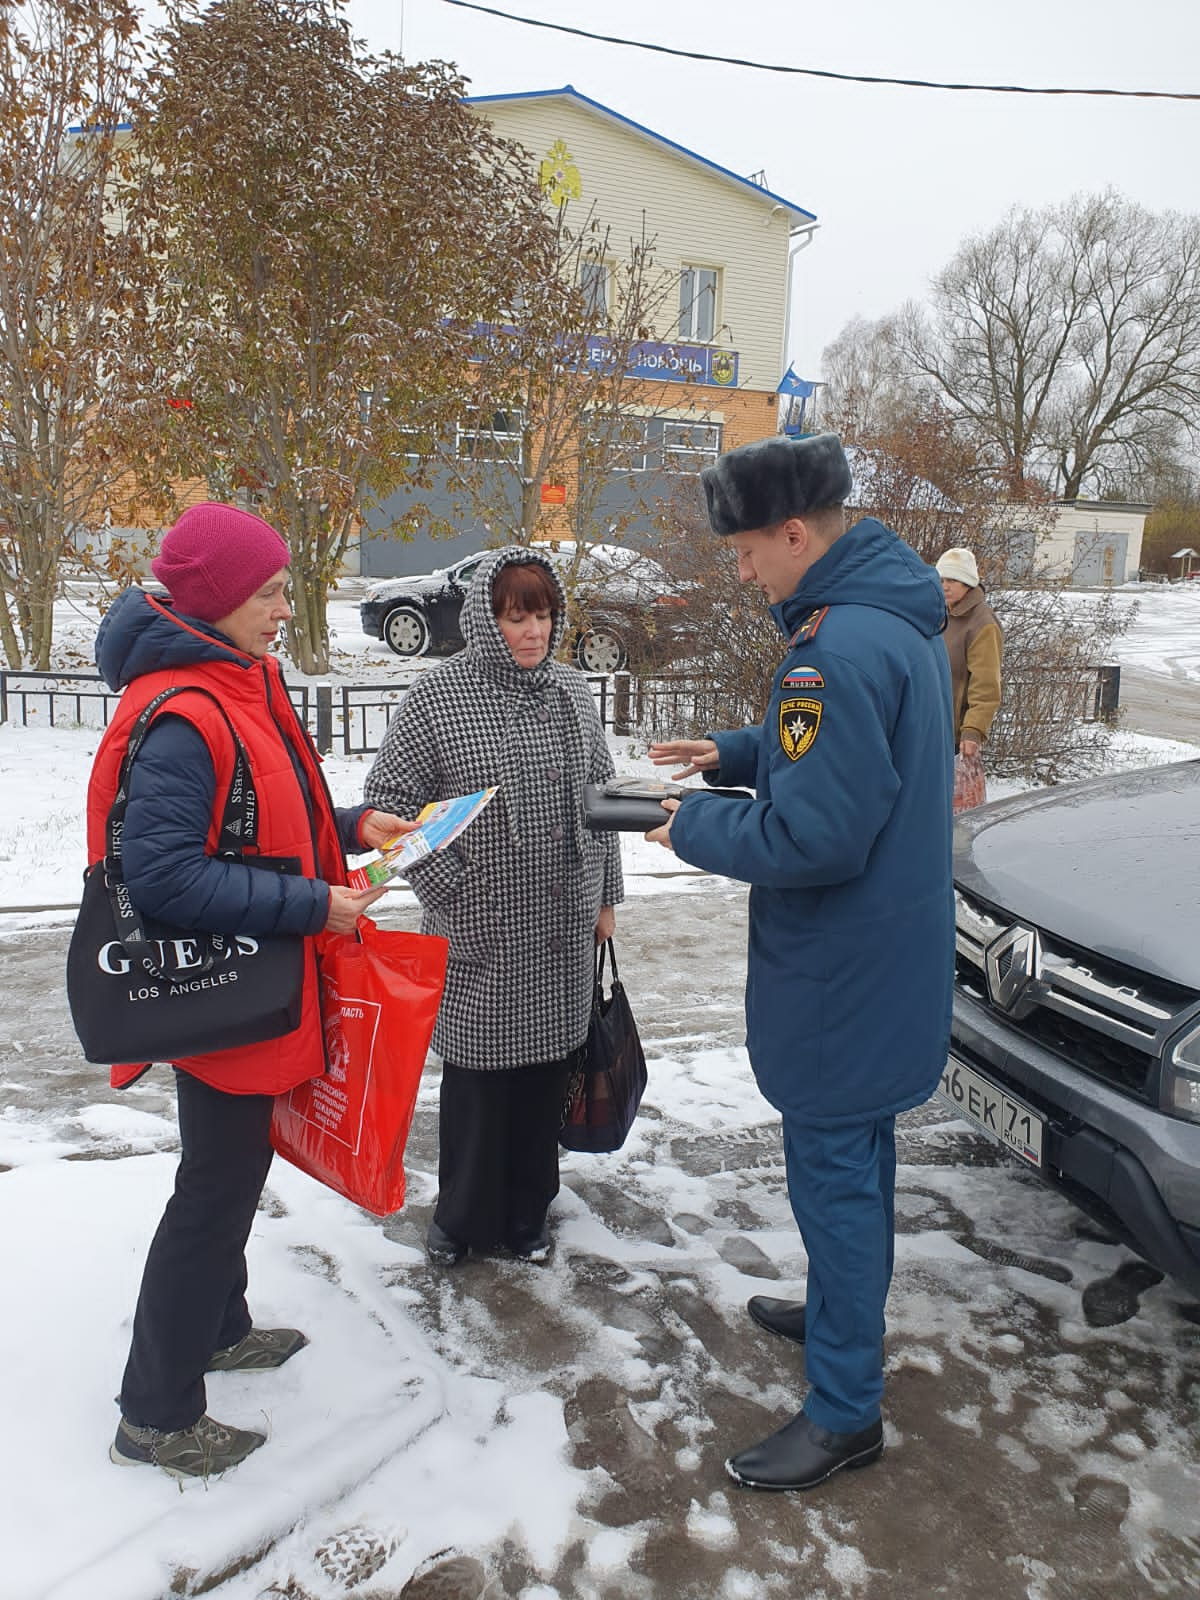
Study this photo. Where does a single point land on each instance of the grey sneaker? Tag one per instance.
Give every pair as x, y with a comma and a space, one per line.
201, 1451
259, 1351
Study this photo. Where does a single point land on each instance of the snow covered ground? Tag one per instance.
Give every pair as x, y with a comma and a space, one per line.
558, 1432
1165, 636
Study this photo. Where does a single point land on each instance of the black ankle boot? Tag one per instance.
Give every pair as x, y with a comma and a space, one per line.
801, 1455
441, 1248
784, 1317
532, 1245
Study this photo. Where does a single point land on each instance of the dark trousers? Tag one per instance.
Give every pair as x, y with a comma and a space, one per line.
498, 1151
842, 1185
193, 1295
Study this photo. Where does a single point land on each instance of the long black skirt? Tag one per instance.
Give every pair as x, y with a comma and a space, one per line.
498, 1151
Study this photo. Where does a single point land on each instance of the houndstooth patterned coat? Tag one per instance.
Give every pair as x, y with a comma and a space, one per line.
518, 893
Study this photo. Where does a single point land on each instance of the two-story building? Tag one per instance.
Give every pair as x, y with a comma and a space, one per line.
707, 375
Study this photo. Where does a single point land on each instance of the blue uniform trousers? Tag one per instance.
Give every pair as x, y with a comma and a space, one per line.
842, 1185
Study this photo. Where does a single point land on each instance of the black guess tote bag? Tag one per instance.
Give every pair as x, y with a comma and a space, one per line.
607, 1087
140, 991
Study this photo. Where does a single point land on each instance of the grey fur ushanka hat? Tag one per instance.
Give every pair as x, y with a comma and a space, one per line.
763, 483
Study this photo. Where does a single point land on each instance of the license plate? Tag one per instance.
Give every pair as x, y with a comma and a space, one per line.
975, 1098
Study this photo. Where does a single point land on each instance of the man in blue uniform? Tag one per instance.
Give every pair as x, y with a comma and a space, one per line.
847, 848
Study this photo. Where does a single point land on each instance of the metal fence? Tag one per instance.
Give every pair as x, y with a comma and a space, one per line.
687, 705
677, 704
1041, 728
348, 717
55, 699
352, 717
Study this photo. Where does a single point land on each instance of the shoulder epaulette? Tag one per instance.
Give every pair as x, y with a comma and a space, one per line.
808, 628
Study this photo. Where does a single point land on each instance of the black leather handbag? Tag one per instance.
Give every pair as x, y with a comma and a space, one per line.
140, 991
607, 1086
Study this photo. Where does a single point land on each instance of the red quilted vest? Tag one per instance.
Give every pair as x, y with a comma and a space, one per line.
256, 701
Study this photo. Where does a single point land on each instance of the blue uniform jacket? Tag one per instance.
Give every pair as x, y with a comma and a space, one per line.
847, 843
171, 792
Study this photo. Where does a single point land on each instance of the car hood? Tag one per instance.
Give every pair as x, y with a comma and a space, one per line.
397, 588
1111, 865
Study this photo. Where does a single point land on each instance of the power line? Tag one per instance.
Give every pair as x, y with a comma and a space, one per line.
817, 72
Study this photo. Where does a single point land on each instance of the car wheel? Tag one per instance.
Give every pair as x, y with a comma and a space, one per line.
600, 650
406, 632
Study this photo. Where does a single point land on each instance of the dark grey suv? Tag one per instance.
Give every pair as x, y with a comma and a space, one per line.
1076, 1032
625, 609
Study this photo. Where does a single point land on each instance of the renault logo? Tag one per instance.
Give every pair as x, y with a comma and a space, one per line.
1013, 963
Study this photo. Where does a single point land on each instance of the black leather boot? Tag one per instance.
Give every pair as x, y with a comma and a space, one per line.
784, 1317
801, 1455
532, 1245
442, 1248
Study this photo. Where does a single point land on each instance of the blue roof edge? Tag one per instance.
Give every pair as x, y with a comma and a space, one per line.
569, 90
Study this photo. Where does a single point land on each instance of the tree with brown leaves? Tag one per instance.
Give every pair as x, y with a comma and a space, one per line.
334, 226
70, 265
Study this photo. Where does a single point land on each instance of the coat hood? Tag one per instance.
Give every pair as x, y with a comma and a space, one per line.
549, 683
869, 566
969, 602
486, 645
141, 633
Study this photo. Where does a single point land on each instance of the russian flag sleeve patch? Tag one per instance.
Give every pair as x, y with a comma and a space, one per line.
802, 678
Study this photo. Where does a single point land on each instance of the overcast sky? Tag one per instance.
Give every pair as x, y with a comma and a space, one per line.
897, 177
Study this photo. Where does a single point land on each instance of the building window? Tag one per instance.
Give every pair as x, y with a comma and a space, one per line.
420, 445
413, 440
698, 303
655, 444
623, 443
490, 436
688, 446
593, 280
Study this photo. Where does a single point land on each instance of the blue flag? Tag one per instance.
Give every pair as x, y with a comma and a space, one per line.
791, 384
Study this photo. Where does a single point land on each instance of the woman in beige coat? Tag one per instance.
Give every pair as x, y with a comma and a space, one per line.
975, 645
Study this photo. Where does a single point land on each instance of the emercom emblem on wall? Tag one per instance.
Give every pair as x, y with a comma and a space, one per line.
559, 176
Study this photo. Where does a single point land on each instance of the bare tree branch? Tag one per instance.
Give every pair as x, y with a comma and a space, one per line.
566, 364
1068, 340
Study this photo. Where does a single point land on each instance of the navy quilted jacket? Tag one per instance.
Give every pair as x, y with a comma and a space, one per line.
847, 843
171, 793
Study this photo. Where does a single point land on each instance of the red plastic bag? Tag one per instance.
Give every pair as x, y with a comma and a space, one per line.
380, 994
970, 785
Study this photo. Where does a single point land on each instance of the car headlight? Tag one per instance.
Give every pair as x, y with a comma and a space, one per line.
1183, 1077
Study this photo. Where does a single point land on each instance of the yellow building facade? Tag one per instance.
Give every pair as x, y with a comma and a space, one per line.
723, 246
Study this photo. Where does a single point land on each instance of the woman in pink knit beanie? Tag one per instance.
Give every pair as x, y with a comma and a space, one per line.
227, 574
215, 558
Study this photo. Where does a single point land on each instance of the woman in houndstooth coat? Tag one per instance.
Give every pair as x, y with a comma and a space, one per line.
523, 896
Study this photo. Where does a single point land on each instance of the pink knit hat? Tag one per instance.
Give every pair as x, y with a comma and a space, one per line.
215, 558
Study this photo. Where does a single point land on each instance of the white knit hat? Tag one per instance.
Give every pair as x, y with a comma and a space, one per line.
959, 565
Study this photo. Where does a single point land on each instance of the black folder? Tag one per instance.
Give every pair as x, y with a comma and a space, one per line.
634, 805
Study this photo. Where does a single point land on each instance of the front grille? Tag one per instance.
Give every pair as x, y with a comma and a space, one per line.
1120, 1064
1104, 1021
